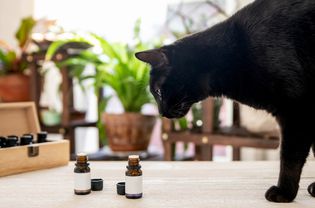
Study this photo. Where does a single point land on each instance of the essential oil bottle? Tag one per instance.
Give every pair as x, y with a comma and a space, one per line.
42, 137
133, 178
82, 175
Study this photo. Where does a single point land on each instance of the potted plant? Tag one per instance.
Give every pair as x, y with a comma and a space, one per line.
115, 67
130, 131
14, 84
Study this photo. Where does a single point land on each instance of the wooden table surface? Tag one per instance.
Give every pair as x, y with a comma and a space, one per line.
166, 184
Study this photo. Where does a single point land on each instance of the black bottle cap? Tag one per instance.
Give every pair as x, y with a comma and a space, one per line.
97, 184
11, 141
26, 139
121, 188
3, 141
42, 137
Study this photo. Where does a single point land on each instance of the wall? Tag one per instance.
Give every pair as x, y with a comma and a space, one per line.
11, 12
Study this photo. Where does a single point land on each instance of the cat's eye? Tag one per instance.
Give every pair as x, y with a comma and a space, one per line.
158, 92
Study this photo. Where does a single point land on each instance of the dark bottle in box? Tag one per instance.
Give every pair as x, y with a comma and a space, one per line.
12, 141
42, 137
26, 139
133, 187
2, 141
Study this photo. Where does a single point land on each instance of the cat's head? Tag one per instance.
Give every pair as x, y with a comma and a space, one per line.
175, 81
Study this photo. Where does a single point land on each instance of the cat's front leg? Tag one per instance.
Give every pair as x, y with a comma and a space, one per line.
295, 147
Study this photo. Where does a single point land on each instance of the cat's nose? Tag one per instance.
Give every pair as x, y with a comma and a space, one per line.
167, 112
163, 110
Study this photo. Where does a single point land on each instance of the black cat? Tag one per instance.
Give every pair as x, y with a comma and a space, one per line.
263, 56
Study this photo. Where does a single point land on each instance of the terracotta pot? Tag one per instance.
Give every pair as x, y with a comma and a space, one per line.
14, 88
128, 131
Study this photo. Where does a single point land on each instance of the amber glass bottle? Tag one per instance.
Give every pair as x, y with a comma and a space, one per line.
134, 178
82, 175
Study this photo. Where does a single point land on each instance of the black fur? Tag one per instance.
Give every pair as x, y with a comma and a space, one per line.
263, 56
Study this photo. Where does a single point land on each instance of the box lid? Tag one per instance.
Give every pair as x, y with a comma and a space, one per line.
18, 119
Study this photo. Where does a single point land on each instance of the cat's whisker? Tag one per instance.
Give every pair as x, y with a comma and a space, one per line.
182, 105
180, 101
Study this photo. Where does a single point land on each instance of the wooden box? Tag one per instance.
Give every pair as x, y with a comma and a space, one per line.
21, 118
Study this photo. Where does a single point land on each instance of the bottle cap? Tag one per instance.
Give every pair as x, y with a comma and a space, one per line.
121, 188
133, 160
28, 135
42, 137
26, 139
136, 157
2, 141
97, 184
12, 141
82, 158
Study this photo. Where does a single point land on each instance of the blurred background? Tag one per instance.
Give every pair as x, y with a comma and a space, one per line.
75, 60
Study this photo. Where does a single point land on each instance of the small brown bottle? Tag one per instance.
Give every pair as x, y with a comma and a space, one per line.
82, 175
133, 178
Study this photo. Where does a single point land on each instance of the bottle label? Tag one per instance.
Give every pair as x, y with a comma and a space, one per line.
82, 181
133, 184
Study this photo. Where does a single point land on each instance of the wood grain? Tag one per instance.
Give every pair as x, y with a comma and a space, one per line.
207, 115
15, 160
18, 119
218, 139
166, 184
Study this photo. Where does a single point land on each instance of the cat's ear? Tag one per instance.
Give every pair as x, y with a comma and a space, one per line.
154, 57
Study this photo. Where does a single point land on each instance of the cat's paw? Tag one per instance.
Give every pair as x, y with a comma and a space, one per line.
311, 189
275, 194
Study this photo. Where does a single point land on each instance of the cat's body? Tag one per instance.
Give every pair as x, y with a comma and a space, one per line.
263, 56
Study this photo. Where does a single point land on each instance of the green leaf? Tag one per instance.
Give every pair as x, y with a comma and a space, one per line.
183, 123
92, 57
136, 29
56, 45
53, 48
3, 58
11, 57
113, 51
7, 59
24, 31
115, 66
75, 61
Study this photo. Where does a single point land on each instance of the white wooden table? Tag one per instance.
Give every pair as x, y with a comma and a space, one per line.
166, 184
